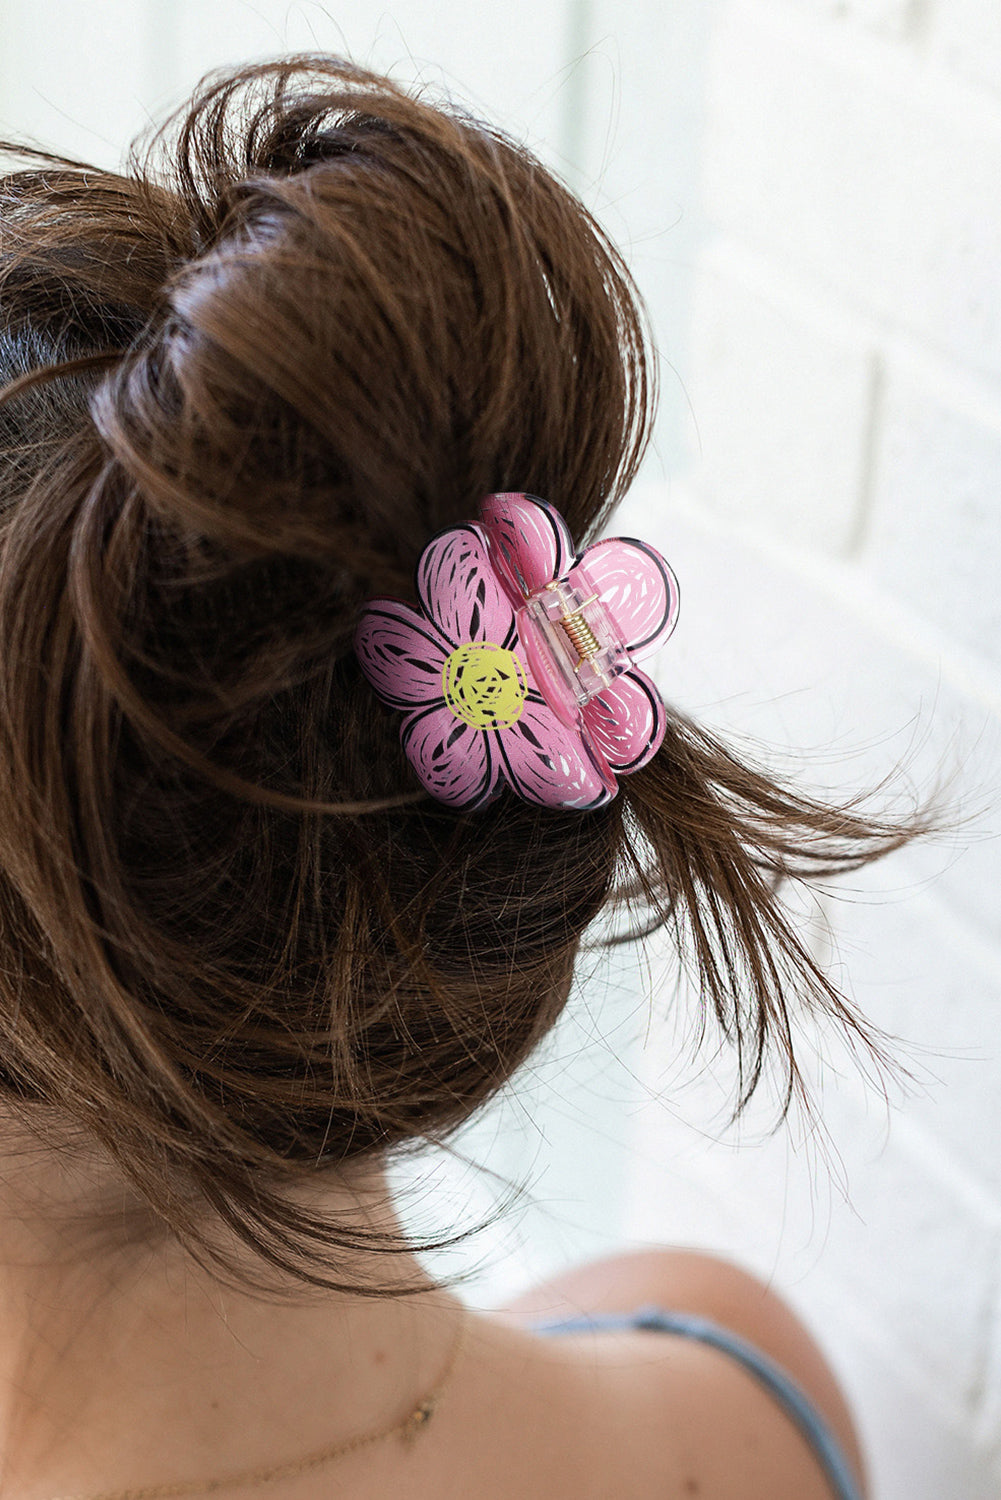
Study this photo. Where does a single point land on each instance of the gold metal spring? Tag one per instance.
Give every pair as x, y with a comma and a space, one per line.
580, 634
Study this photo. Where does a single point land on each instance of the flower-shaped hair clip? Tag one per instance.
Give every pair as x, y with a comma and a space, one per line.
518, 666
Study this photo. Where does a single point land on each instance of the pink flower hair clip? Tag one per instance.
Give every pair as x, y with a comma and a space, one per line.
518, 666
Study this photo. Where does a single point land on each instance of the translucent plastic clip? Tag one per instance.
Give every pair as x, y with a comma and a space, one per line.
582, 648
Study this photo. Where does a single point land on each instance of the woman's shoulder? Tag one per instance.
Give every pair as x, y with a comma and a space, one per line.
626, 1414
644, 1415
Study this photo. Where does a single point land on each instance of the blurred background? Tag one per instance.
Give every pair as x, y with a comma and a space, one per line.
809, 194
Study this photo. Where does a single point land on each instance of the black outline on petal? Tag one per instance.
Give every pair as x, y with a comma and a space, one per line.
477, 532
425, 611
419, 624
556, 521
605, 796
550, 511
670, 591
660, 716
485, 794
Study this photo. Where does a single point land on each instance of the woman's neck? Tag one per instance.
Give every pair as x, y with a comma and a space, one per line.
153, 1372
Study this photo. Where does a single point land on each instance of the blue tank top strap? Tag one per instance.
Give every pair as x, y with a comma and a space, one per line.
774, 1379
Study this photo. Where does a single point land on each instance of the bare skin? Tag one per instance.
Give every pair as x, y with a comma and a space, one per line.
170, 1378
687, 1281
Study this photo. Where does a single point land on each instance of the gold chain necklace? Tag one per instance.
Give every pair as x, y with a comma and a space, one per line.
408, 1429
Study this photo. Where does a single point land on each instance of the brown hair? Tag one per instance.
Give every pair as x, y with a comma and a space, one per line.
239, 947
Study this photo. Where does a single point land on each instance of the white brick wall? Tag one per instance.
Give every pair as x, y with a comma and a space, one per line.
935, 537
872, 167
966, 35
893, 18
837, 532
781, 390
54, 69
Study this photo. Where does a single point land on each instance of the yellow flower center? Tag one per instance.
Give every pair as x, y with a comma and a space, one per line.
484, 685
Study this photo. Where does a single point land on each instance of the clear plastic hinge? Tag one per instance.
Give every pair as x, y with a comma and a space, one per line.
582, 647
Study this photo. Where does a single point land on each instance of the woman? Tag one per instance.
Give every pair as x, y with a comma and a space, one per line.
246, 957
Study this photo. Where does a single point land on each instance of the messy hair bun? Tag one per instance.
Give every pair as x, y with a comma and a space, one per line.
312, 322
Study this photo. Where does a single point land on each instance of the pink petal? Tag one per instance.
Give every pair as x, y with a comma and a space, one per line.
627, 721
637, 588
401, 654
547, 762
459, 590
452, 759
529, 543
